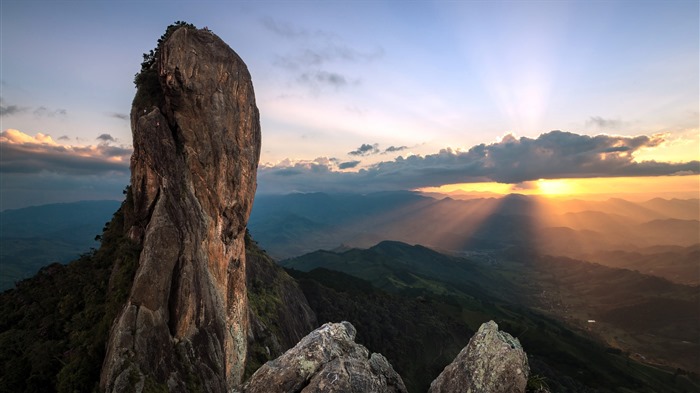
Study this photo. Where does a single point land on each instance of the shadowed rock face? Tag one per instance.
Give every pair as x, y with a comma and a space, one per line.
193, 178
327, 360
492, 362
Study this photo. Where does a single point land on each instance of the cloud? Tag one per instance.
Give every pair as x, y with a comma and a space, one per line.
394, 149
314, 58
120, 116
603, 123
348, 165
8, 110
365, 150
552, 155
318, 78
284, 29
43, 111
106, 138
26, 154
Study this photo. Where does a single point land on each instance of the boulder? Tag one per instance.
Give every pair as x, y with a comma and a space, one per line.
327, 360
492, 362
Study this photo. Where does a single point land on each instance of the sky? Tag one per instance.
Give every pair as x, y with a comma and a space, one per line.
371, 95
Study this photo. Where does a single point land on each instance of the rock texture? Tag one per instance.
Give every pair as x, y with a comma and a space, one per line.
193, 177
492, 362
327, 360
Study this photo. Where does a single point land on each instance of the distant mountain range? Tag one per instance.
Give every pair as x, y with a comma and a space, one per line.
296, 224
34, 237
612, 232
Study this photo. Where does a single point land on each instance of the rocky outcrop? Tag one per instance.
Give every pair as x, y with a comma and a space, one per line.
193, 177
327, 360
492, 362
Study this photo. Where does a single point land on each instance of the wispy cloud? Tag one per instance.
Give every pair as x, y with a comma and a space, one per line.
287, 30
8, 109
43, 111
316, 57
394, 149
316, 79
513, 160
106, 138
348, 165
120, 116
602, 123
365, 150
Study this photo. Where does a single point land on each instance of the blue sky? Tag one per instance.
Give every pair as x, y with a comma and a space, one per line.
402, 78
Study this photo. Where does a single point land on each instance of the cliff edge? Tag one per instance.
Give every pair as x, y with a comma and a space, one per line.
196, 138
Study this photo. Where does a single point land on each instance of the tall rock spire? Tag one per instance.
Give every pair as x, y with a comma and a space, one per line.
196, 137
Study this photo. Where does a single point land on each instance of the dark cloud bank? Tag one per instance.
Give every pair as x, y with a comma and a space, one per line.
552, 155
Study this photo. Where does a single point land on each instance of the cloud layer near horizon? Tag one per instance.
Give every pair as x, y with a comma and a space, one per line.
22, 153
36, 170
552, 155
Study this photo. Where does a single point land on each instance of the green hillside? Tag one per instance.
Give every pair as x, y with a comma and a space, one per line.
471, 293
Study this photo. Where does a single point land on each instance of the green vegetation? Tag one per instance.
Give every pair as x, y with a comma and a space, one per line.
417, 338
148, 90
276, 305
470, 294
54, 326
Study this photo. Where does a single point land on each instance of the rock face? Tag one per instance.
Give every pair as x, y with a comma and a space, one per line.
327, 360
193, 178
492, 362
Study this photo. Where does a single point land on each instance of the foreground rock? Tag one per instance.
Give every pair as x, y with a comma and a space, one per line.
193, 177
492, 362
327, 360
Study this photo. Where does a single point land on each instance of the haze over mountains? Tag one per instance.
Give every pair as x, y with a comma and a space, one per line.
33, 237
294, 224
658, 237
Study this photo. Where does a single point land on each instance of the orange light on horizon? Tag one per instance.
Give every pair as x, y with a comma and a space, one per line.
556, 187
647, 187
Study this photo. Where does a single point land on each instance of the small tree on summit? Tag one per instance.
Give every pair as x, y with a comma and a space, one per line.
146, 80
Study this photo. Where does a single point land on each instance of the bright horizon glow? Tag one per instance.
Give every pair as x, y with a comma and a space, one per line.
633, 188
556, 187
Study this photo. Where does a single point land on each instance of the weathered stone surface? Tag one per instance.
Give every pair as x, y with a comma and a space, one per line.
327, 360
492, 362
193, 178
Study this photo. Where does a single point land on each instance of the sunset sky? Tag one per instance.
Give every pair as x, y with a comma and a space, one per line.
370, 96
